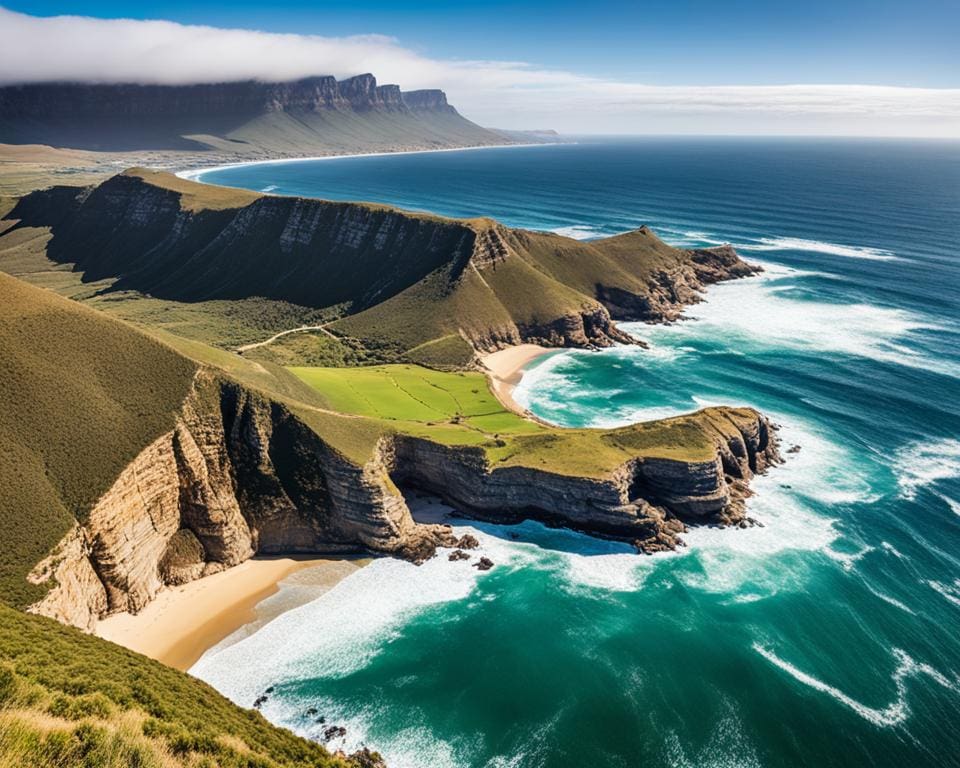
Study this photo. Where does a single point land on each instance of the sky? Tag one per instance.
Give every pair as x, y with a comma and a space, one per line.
870, 68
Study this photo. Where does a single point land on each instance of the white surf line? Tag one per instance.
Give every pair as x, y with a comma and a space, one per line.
891, 715
192, 174
301, 329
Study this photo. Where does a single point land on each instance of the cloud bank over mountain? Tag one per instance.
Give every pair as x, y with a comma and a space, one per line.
501, 93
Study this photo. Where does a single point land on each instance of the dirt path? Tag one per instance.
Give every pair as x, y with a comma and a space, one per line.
301, 329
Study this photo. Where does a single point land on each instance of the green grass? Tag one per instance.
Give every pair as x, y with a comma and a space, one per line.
81, 396
68, 699
411, 393
458, 409
451, 285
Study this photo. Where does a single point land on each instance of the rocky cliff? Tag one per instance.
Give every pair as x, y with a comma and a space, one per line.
250, 115
646, 501
45, 100
399, 280
241, 475
238, 475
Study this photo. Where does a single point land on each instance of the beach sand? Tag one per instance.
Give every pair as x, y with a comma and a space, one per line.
183, 622
505, 369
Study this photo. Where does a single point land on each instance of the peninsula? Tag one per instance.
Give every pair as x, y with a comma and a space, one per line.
254, 375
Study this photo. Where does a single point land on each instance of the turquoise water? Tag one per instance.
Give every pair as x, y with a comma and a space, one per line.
829, 637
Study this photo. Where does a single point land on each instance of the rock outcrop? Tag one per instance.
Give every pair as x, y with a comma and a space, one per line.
645, 501
239, 475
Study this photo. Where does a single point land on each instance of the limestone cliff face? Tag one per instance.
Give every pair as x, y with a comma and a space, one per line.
645, 501
237, 476
240, 475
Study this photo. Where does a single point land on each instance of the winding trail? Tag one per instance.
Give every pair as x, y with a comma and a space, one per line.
301, 329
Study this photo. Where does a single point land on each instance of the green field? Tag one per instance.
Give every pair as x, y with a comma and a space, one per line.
458, 409
410, 393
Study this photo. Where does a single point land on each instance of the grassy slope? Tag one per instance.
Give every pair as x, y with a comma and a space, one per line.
331, 131
82, 396
457, 409
411, 299
69, 699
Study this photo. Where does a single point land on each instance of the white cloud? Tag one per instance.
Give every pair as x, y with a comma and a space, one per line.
507, 94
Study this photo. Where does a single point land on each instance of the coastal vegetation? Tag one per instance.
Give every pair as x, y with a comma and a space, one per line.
359, 283
193, 375
69, 699
69, 380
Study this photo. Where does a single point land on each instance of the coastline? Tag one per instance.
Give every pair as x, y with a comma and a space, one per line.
505, 369
193, 174
181, 623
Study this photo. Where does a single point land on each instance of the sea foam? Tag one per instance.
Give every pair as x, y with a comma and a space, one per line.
579, 232
781, 319
926, 462
816, 246
893, 714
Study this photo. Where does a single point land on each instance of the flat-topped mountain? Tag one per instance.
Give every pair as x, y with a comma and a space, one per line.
315, 114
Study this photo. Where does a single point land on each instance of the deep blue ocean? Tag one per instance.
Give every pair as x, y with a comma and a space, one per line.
828, 637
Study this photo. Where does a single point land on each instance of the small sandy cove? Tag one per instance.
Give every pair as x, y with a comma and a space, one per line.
505, 369
182, 622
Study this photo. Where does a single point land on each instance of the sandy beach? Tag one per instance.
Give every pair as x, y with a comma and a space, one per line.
182, 622
505, 369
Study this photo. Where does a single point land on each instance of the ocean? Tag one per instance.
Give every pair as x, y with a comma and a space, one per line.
828, 637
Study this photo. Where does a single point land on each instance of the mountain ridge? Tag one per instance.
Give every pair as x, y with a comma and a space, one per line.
389, 280
314, 114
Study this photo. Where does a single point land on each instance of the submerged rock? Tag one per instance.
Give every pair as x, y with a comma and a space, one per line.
334, 732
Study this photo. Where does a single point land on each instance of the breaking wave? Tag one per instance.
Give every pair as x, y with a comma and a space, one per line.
926, 462
893, 714
816, 246
579, 232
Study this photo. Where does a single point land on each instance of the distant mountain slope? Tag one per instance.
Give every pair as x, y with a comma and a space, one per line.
316, 115
398, 280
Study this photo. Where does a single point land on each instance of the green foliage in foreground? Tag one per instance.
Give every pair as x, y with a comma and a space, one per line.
69, 699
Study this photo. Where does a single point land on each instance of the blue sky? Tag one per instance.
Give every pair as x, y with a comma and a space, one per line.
859, 68
703, 42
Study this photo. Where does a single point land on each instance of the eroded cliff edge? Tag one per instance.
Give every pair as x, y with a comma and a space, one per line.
238, 475
238, 457
241, 474
394, 284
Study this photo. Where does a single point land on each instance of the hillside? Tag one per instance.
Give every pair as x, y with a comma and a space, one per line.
386, 285
69, 699
136, 459
316, 115
145, 452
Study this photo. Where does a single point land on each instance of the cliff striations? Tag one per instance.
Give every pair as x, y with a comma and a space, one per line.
399, 282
